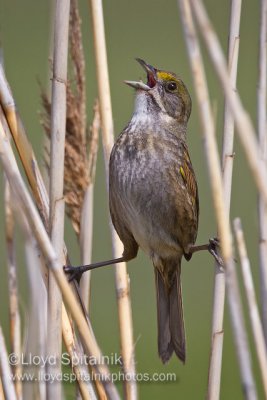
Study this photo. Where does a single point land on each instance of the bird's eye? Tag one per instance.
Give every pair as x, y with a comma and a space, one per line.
171, 86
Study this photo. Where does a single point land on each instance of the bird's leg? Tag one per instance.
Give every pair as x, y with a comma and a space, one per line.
76, 272
212, 247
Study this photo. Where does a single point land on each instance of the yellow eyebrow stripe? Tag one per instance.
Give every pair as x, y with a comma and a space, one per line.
166, 76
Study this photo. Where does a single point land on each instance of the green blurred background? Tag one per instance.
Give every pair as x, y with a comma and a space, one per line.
151, 30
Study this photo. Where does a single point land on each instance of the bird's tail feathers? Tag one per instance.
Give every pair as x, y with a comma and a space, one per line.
171, 331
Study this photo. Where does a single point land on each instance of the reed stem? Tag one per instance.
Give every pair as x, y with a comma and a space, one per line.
57, 206
122, 278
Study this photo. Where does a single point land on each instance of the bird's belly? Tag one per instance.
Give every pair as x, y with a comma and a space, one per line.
150, 233
154, 243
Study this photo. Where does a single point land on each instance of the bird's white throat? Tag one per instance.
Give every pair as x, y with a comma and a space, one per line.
143, 115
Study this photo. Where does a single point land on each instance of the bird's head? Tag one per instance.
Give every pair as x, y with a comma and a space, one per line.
164, 92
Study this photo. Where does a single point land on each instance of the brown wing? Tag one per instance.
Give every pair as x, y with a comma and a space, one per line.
189, 179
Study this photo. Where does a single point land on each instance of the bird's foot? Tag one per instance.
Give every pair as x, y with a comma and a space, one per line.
213, 246
74, 273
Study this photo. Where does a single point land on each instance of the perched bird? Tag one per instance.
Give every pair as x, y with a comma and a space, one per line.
153, 194
153, 197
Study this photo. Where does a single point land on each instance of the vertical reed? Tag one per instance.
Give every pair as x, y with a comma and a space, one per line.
7, 383
254, 314
227, 169
15, 328
261, 119
57, 209
122, 278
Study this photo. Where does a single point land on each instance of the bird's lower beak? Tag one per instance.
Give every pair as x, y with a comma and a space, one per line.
137, 85
151, 77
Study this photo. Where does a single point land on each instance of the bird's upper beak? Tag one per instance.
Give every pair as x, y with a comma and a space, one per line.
151, 77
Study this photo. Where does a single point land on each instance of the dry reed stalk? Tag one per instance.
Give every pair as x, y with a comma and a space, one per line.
24, 147
262, 209
15, 331
86, 231
225, 236
244, 126
86, 225
75, 172
86, 236
122, 278
36, 336
86, 388
215, 362
2, 395
5, 371
254, 314
56, 182
40, 194
228, 128
23, 197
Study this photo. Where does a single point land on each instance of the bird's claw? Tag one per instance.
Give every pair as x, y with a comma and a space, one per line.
74, 273
214, 244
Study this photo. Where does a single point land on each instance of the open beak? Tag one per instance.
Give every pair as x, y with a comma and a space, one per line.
151, 77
